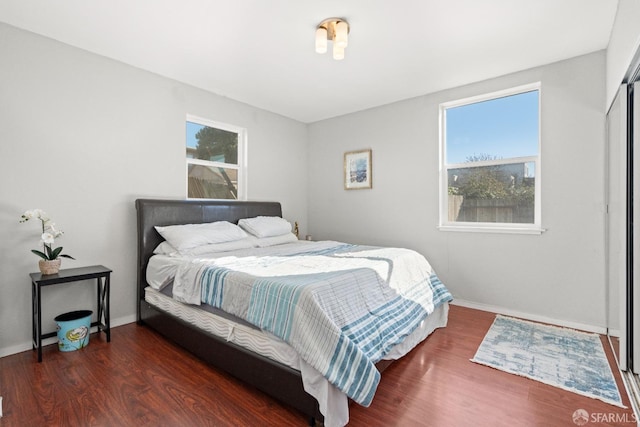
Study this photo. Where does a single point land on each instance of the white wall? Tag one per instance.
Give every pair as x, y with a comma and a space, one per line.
82, 137
557, 275
623, 44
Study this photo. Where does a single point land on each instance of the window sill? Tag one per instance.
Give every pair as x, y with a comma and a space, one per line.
491, 229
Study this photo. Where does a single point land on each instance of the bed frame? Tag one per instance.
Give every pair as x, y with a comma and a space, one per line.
273, 378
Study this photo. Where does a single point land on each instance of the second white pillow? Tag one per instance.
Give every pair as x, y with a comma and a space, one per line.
265, 226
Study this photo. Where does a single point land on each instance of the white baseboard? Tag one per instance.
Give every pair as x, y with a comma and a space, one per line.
7, 351
529, 316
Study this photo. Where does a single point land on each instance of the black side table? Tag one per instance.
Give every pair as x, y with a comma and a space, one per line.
38, 280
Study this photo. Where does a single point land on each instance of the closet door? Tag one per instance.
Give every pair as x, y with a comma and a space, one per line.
616, 224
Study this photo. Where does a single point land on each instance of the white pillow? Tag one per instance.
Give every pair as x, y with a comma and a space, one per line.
265, 226
189, 236
245, 243
263, 242
165, 248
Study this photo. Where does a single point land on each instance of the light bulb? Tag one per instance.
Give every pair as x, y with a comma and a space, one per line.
338, 52
341, 37
321, 40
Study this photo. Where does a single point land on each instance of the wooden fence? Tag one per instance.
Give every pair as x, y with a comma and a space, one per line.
490, 210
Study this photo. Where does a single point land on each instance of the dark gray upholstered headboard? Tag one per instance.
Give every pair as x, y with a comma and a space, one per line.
152, 212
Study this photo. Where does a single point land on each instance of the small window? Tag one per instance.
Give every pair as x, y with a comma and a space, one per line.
490, 156
214, 160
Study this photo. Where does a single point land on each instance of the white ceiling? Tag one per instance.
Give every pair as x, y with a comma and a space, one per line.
262, 51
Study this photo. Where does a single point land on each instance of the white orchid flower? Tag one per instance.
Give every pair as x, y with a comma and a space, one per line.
43, 216
27, 215
47, 238
51, 228
35, 213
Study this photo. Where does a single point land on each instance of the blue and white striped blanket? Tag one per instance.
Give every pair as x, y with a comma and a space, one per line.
341, 307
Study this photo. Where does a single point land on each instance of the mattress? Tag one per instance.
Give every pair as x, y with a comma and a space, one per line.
235, 331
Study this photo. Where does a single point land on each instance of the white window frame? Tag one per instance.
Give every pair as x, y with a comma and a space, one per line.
516, 228
241, 167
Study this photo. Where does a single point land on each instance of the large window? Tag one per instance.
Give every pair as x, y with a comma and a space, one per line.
215, 165
490, 162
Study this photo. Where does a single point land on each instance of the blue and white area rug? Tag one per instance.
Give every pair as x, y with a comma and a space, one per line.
561, 357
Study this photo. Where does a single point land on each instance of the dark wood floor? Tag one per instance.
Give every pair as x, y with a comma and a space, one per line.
141, 379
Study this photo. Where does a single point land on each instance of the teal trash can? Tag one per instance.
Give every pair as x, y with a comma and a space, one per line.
73, 330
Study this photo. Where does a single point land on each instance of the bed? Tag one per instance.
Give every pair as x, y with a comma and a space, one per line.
237, 349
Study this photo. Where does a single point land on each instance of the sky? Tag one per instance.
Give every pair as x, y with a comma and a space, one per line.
503, 127
192, 129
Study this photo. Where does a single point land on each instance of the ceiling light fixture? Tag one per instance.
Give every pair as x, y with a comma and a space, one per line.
335, 30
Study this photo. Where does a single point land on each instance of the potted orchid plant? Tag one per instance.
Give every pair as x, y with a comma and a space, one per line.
50, 262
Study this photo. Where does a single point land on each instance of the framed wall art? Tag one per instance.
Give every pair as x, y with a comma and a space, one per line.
357, 170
